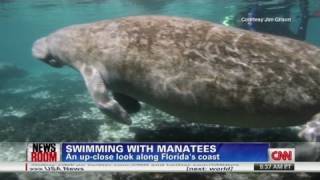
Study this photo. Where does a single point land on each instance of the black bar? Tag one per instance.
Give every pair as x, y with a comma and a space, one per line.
274, 166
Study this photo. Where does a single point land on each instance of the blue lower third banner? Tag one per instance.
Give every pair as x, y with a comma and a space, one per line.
164, 152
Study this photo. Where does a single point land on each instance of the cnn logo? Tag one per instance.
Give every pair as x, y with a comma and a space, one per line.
281, 154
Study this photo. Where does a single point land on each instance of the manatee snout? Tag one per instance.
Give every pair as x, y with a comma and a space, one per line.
40, 50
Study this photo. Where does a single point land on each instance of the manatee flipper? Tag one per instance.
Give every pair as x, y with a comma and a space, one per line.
130, 104
99, 93
311, 130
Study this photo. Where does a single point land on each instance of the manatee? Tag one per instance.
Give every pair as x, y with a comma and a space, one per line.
193, 69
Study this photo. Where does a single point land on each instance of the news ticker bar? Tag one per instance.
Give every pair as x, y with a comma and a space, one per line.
159, 167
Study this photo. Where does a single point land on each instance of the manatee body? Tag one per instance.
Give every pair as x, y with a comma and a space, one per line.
195, 70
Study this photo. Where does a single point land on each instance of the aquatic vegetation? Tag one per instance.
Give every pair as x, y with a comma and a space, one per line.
10, 111
9, 71
41, 95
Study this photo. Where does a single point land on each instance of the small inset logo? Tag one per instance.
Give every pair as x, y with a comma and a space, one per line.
282, 154
43, 152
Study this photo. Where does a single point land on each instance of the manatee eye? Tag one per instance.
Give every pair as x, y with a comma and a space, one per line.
54, 63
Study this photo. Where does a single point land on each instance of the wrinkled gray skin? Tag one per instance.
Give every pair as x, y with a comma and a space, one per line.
192, 69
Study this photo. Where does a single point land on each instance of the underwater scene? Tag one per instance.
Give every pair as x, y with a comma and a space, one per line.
39, 103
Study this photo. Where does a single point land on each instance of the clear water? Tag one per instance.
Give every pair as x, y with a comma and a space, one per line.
23, 21
50, 106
